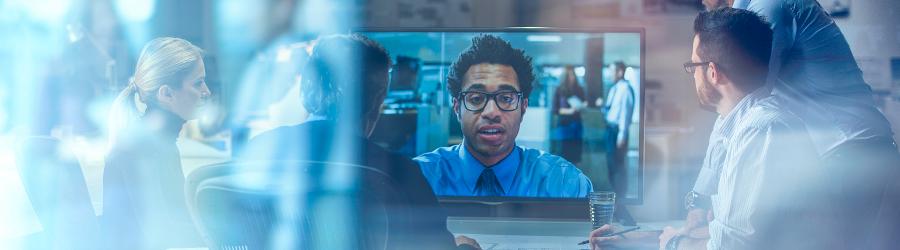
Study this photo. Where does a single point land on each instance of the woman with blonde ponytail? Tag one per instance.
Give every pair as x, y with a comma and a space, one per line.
143, 182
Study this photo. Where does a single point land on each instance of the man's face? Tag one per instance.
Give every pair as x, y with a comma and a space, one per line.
381, 79
715, 4
491, 131
709, 97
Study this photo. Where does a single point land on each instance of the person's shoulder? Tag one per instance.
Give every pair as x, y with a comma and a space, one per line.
120, 155
378, 155
437, 155
769, 8
550, 168
771, 112
303, 132
130, 146
624, 85
436, 163
547, 161
265, 137
265, 144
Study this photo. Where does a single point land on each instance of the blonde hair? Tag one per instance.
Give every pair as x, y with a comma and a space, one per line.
163, 61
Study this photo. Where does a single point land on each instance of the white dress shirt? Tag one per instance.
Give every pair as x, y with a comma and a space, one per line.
620, 107
767, 162
814, 71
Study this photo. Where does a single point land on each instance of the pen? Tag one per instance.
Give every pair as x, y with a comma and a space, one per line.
613, 234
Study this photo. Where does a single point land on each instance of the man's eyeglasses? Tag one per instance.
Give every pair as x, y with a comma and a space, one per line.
689, 67
476, 101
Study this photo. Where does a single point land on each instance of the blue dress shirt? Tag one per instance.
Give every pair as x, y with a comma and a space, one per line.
453, 171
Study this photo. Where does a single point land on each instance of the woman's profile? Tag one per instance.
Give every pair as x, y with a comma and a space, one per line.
143, 182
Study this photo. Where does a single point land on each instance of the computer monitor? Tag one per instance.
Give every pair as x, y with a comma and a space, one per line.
404, 80
591, 56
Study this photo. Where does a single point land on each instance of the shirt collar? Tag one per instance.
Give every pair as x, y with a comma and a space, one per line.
728, 121
505, 170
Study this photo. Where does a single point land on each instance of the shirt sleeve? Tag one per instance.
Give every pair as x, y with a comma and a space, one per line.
584, 186
561, 178
784, 30
708, 177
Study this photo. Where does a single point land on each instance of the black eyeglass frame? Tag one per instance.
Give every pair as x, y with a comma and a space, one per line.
689, 67
488, 97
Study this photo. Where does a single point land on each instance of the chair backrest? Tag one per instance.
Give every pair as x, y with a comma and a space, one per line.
56, 188
292, 205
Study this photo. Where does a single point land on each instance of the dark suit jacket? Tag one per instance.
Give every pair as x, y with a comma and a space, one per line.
426, 227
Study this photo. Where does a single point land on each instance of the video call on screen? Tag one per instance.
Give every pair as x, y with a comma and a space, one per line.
418, 115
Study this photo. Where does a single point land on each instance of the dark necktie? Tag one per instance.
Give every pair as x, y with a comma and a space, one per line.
487, 184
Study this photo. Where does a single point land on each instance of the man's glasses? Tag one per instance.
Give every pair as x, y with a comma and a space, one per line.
690, 67
475, 101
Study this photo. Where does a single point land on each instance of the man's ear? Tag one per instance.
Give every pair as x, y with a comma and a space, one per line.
524, 105
456, 109
713, 75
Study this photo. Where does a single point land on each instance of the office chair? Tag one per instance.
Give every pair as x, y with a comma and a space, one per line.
56, 188
293, 205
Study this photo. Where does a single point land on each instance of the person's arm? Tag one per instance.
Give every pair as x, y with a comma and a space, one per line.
569, 109
566, 111
784, 28
585, 185
689, 243
554, 104
631, 240
695, 239
466, 243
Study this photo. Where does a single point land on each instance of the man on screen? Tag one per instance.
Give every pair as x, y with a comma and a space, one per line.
489, 83
619, 109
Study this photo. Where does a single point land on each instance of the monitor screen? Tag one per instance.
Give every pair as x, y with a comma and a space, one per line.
578, 129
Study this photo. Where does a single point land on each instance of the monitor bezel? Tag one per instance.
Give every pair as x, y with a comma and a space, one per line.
536, 207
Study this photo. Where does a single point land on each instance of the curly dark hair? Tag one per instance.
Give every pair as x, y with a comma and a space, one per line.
493, 50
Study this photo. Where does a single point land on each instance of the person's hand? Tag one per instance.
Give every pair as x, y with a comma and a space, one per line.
629, 240
597, 240
620, 144
667, 235
696, 217
463, 240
